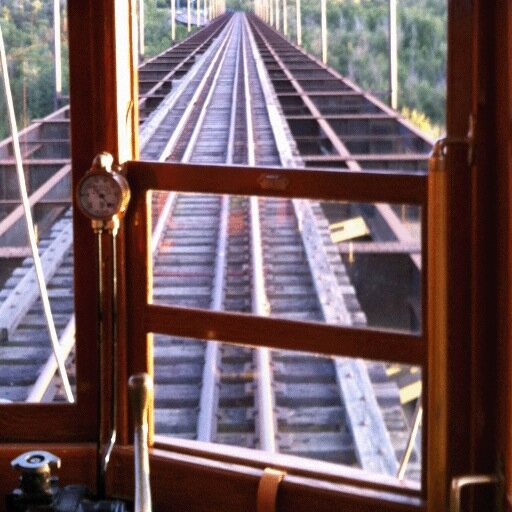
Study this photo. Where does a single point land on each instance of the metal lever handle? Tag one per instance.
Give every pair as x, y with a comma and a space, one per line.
141, 391
463, 481
437, 156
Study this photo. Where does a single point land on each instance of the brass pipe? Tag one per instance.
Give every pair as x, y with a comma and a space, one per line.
141, 391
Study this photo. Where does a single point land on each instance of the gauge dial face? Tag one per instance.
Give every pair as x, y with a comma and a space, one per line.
100, 196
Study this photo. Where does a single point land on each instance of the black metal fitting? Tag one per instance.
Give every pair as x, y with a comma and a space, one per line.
39, 490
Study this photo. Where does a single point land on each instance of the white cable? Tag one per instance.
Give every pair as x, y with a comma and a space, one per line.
30, 225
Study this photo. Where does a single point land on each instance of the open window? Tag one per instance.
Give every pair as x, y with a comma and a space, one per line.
104, 116
167, 317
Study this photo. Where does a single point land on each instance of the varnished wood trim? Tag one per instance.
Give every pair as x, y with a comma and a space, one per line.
294, 183
502, 93
483, 454
298, 466
44, 423
287, 334
437, 282
139, 262
104, 117
195, 484
450, 277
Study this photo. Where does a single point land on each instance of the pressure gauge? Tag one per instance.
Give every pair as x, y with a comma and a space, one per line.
102, 193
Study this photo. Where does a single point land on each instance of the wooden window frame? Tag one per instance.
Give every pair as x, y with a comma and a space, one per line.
146, 318
103, 117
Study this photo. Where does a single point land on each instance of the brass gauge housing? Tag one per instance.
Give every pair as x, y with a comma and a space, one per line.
103, 194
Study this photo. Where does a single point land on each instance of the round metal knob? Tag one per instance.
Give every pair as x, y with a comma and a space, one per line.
37, 461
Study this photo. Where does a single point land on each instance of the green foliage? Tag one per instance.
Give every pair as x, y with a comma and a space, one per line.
419, 119
241, 5
27, 27
358, 47
157, 26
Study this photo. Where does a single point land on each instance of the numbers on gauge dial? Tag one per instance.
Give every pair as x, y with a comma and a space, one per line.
100, 196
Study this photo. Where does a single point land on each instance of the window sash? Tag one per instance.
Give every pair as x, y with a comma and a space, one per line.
146, 318
307, 183
232, 486
241, 328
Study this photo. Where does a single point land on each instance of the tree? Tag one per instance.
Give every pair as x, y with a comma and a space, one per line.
27, 27
358, 48
157, 27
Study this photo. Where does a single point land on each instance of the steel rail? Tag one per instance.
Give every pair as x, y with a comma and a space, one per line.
213, 85
206, 424
209, 390
260, 305
251, 148
192, 106
303, 221
366, 419
234, 102
279, 128
208, 402
335, 311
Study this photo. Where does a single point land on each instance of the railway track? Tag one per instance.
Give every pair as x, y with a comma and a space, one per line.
246, 255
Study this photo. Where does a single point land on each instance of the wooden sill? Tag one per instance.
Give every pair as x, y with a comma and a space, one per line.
299, 466
197, 484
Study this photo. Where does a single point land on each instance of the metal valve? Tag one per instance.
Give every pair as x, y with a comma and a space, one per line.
39, 490
36, 481
36, 462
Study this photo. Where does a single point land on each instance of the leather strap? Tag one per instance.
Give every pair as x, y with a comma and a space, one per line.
267, 489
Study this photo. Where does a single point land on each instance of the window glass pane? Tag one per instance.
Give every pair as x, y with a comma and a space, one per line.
343, 263
337, 410
38, 82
